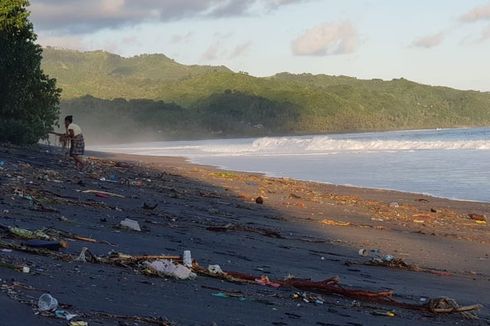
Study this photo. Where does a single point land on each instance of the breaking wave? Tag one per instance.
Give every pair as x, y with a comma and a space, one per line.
306, 145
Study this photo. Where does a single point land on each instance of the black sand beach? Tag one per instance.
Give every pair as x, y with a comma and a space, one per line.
303, 230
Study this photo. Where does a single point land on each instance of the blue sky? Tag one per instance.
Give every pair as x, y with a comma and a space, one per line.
437, 42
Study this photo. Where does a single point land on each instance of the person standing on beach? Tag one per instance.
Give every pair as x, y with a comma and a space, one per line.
77, 148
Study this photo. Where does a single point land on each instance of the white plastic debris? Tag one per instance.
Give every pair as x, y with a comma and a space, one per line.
187, 258
131, 224
47, 303
169, 268
215, 269
82, 258
388, 258
26, 269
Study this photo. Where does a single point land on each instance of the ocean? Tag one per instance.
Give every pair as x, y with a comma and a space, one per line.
449, 163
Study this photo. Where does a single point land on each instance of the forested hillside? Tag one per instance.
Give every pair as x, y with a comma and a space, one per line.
170, 100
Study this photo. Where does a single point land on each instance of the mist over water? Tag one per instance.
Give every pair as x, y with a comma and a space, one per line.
451, 163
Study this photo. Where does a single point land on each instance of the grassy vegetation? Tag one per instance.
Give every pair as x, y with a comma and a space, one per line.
209, 101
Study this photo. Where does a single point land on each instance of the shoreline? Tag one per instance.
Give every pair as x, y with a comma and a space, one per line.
189, 161
306, 229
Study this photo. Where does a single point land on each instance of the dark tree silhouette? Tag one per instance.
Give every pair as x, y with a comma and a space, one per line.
29, 99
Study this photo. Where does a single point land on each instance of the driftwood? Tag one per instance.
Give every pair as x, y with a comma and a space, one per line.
104, 193
332, 286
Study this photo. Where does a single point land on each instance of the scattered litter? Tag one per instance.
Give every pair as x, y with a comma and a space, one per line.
78, 323
83, 255
215, 269
448, 305
131, 224
187, 258
64, 314
47, 303
27, 234
394, 204
264, 280
388, 258
103, 194
26, 270
383, 313
335, 223
308, 298
169, 268
228, 295
46, 244
477, 217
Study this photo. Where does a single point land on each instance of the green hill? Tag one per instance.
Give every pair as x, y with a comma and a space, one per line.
210, 101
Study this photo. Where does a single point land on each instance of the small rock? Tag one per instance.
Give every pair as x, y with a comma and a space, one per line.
259, 200
433, 210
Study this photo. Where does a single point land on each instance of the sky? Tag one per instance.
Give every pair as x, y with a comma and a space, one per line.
435, 42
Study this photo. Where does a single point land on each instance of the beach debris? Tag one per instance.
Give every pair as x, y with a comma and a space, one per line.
46, 244
447, 305
130, 224
215, 269
363, 252
308, 298
332, 286
264, 280
169, 268
477, 217
383, 313
86, 256
78, 323
394, 204
259, 200
229, 295
335, 223
187, 258
46, 302
27, 234
26, 269
102, 194
64, 314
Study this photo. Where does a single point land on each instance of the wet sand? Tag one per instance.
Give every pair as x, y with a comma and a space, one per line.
304, 229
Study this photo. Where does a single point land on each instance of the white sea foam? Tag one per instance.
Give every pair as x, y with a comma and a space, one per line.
294, 146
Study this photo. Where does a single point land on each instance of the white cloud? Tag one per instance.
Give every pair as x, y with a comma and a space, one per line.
429, 41
77, 16
327, 39
477, 14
